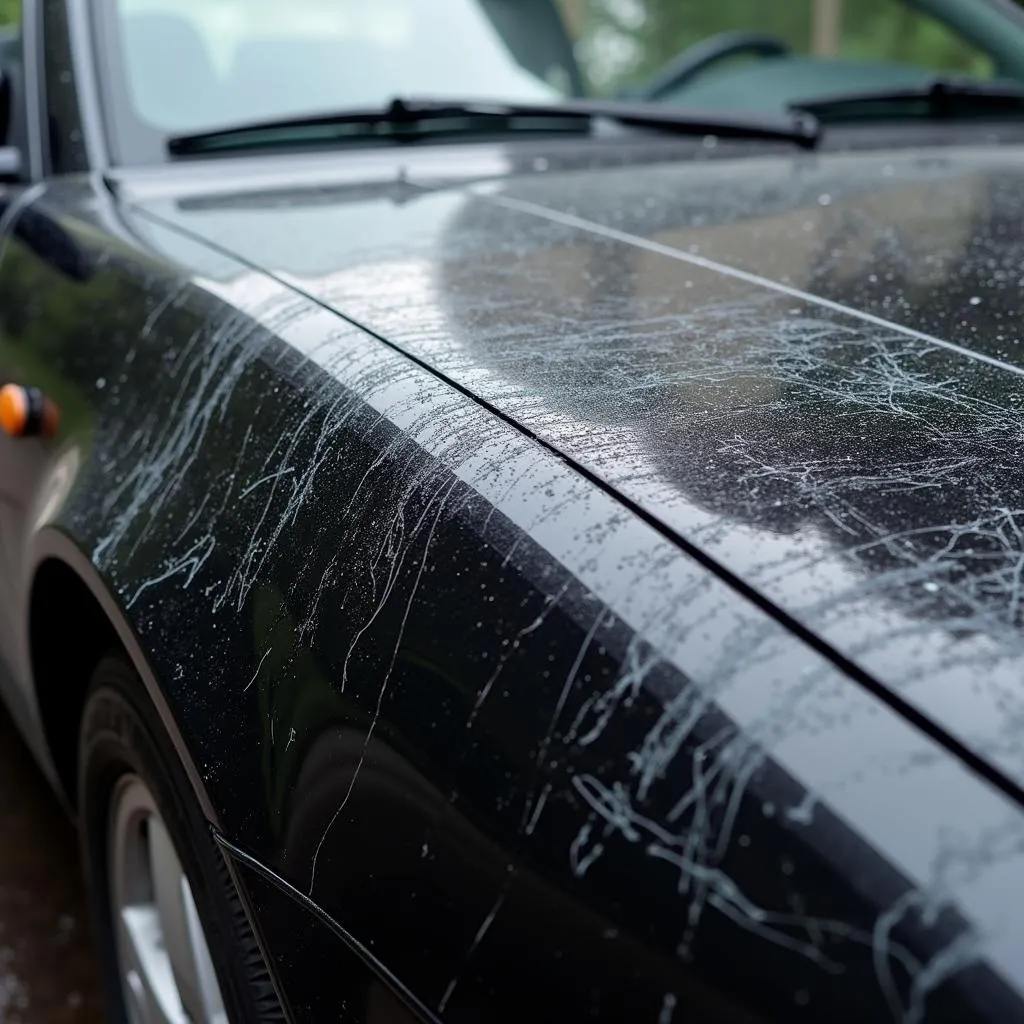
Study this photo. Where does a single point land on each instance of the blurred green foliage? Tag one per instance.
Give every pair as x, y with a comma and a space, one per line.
624, 41
10, 11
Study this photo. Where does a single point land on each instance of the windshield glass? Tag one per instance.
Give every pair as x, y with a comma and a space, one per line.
195, 64
760, 55
187, 66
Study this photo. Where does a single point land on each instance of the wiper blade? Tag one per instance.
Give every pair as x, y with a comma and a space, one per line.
407, 120
938, 99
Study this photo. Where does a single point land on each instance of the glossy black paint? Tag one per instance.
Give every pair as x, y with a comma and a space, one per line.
857, 288
594, 588
518, 340
511, 738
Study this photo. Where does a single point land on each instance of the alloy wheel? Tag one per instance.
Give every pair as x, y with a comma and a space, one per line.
166, 971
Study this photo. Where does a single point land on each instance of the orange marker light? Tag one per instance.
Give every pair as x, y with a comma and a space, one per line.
13, 410
25, 412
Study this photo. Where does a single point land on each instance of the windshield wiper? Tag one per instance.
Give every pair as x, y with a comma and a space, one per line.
410, 120
941, 98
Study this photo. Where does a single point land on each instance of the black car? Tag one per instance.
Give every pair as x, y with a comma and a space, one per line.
514, 511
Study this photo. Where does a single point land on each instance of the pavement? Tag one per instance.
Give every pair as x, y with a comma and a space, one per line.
47, 971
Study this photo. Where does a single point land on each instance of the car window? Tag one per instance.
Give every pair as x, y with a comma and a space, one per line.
824, 46
195, 64
620, 48
11, 61
179, 67
10, 34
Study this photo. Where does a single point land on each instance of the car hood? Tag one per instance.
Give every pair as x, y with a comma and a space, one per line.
808, 368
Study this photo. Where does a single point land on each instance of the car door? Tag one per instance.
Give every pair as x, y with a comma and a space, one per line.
37, 258
21, 460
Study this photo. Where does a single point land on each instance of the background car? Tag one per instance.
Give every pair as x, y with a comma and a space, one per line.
494, 526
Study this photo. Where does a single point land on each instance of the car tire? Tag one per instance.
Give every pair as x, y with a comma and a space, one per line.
171, 932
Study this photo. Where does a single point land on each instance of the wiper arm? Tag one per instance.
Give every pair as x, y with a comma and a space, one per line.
941, 98
407, 120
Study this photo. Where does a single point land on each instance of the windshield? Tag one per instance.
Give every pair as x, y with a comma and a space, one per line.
188, 66
767, 54
196, 64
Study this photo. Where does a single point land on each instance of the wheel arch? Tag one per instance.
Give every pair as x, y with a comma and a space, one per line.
70, 600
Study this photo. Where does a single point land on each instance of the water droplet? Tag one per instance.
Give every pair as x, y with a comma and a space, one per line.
975, 300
